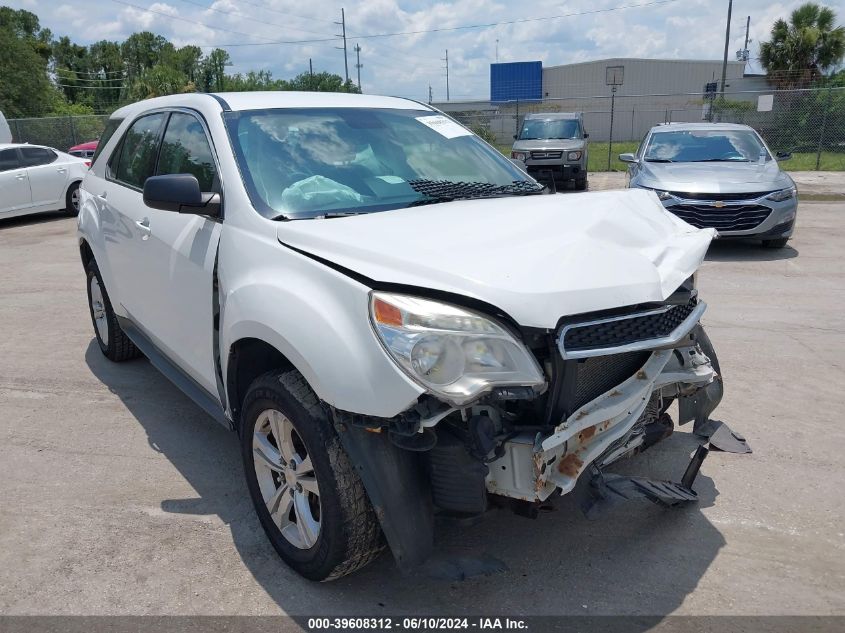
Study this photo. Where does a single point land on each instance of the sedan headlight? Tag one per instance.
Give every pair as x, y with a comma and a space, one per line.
453, 352
573, 156
783, 194
520, 155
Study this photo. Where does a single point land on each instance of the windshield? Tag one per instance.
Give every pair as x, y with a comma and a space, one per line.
305, 163
695, 146
539, 129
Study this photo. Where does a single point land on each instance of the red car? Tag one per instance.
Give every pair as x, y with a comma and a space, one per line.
84, 150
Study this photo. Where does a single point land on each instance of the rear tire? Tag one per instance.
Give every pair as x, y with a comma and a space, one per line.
113, 342
72, 200
308, 496
778, 243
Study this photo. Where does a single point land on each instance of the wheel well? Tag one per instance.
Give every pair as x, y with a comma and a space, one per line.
249, 358
86, 253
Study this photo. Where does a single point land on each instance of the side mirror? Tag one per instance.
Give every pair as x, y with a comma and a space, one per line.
515, 136
783, 155
628, 158
180, 193
520, 164
586, 135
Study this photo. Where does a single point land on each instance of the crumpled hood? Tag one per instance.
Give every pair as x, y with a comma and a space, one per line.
537, 258
715, 177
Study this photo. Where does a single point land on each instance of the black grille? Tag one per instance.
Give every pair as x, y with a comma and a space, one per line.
626, 330
751, 195
728, 218
600, 374
546, 154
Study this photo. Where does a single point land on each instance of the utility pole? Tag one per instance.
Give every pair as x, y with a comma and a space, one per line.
497, 50
727, 42
358, 63
446, 59
342, 24
745, 46
311, 74
429, 93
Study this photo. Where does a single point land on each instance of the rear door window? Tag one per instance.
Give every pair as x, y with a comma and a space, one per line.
35, 156
9, 160
185, 150
137, 158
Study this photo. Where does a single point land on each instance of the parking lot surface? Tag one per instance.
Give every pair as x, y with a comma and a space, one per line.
119, 496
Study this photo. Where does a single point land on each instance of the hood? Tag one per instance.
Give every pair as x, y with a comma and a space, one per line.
565, 144
537, 258
714, 177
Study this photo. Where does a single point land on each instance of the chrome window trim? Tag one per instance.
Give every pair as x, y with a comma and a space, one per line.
647, 344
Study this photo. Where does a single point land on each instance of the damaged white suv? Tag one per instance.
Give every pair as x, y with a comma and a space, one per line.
395, 319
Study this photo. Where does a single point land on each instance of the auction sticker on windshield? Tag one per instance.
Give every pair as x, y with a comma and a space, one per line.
444, 126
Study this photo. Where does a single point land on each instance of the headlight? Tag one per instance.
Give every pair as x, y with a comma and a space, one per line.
453, 352
783, 194
573, 156
519, 155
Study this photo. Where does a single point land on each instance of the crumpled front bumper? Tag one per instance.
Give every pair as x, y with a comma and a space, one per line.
599, 432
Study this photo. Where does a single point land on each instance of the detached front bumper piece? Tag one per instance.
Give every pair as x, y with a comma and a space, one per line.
600, 432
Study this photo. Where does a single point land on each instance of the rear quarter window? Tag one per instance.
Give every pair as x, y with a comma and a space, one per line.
108, 132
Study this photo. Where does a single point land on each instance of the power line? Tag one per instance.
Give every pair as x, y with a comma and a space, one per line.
90, 87
455, 28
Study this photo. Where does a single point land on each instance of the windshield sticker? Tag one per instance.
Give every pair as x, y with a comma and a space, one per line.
444, 126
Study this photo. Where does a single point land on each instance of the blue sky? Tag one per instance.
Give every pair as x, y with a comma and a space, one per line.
406, 65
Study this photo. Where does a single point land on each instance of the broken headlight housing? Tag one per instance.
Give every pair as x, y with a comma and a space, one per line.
454, 353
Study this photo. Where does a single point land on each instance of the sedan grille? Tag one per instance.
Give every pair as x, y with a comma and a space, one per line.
741, 217
547, 155
752, 195
625, 330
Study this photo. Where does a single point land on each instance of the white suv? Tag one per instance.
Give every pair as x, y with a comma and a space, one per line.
390, 314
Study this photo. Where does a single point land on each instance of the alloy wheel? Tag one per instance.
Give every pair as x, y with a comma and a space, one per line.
286, 478
98, 309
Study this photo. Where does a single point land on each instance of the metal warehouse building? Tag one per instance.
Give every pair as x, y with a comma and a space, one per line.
652, 91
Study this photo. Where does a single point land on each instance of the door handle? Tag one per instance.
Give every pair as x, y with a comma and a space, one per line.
20, 176
103, 195
61, 170
144, 225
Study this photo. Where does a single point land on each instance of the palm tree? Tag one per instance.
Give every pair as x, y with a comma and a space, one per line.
801, 51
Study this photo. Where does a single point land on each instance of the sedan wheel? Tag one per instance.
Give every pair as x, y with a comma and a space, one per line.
286, 478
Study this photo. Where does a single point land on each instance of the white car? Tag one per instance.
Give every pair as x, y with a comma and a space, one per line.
392, 316
35, 179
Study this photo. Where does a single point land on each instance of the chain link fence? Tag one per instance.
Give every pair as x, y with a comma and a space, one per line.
60, 133
808, 123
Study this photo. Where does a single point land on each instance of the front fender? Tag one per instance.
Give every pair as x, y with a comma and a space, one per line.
319, 320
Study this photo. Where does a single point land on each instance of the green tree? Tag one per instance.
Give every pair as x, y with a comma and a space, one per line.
322, 82
158, 81
25, 89
801, 50
213, 71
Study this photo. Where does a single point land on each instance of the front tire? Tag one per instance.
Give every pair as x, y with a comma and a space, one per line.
113, 342
72, 200
778, 243
581, 183
308, 496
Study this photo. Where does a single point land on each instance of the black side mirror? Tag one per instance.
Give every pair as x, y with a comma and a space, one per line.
783, 155
586, 135
180, 193
514, 137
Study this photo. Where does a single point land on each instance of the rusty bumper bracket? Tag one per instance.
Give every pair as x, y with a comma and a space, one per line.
602, 491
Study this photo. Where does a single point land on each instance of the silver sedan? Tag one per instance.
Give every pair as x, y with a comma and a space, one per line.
717, 175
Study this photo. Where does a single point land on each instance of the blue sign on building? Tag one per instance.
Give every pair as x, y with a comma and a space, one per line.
516, 81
